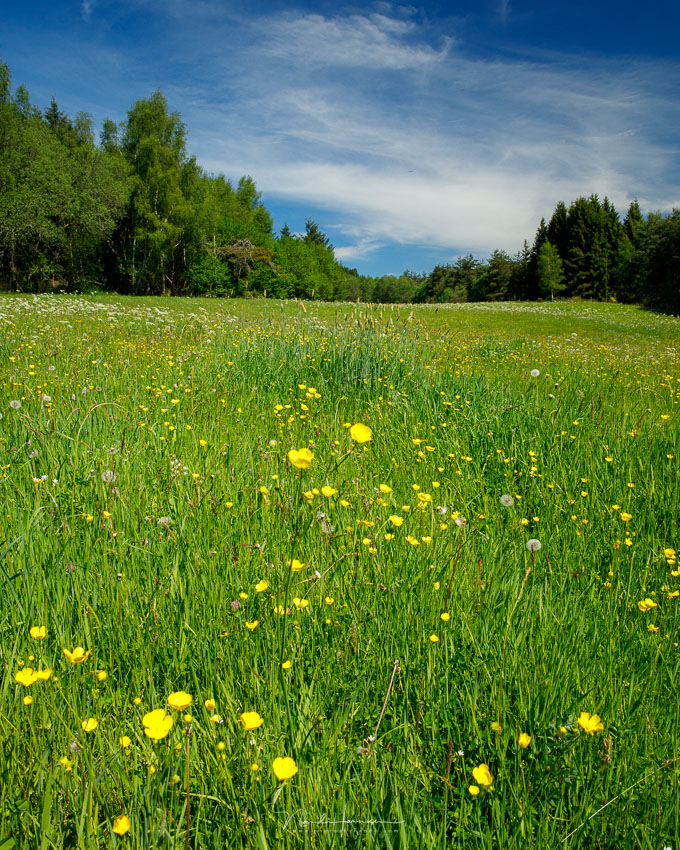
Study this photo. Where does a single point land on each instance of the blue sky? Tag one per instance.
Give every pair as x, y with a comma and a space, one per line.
411, 133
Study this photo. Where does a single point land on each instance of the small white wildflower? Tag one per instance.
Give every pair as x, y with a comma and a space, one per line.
507, 501
15, 404
108, 476
164, 521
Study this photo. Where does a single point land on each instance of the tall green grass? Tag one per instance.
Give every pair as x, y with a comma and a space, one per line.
146, 491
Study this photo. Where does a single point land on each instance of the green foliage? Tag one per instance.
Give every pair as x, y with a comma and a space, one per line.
209, 275
550, 273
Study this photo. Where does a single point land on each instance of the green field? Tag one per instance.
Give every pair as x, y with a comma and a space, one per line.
432, 676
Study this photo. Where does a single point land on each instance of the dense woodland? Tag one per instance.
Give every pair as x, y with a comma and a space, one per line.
132, 212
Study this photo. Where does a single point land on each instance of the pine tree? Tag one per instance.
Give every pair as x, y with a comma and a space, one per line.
634, 223
533, 290
313, 234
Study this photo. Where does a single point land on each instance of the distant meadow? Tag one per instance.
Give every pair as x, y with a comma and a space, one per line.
309, 575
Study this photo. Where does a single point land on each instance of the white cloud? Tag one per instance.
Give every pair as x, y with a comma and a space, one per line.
374, 41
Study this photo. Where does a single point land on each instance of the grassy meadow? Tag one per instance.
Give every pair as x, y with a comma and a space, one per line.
455, 626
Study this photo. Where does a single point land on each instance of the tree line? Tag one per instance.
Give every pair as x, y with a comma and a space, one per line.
132, 212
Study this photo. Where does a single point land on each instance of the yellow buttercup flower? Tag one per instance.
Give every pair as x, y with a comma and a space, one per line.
89, 725
646, 605
284, 768
26, 677
524, 740
121, 824
38, 632
77, 656
43, 675
179, 700
252, 625
591, 723
124, 741
251, 720
360, 433
157, 724
210, 704
482, 775
328, 491
474, 790
296, 565
261, 586
300, 458
396, 520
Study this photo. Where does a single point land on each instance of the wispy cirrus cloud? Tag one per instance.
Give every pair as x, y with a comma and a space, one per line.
374, 41
458, 151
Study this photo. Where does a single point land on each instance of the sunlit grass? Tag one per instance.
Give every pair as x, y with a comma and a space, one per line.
151, 515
